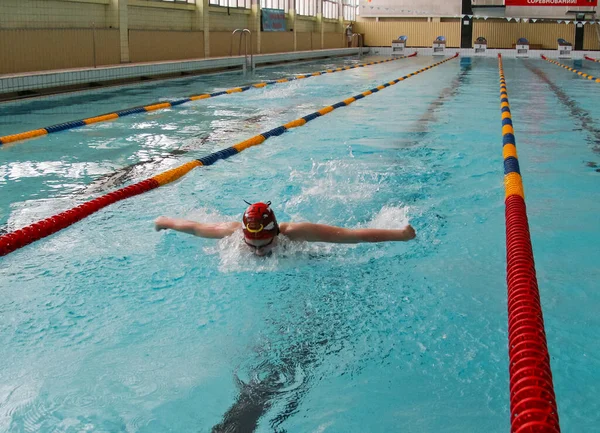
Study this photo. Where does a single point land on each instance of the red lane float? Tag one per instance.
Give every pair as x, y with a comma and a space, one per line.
532, 400
38, 230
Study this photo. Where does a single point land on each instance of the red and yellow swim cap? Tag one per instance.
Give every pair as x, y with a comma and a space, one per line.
260, 222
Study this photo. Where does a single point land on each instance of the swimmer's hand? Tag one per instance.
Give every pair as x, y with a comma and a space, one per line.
161, 223
409, 232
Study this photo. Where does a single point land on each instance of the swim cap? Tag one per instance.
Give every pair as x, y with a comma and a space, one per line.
260, 222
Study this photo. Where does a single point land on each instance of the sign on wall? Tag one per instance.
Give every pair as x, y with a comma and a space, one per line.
273, 20
573, 3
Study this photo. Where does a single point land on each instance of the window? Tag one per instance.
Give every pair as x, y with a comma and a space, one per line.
231, 3
275, 4
177, 1
306, 7
350, 8
330, 9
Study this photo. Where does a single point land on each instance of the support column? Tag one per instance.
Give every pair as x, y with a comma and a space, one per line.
341, 25
320, 23
466, 25
254, 23
200, 23
292, 18
117, 19
579, 29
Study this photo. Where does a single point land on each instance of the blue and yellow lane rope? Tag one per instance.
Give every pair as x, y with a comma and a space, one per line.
162, 105
575, 71
512, 174
178, 172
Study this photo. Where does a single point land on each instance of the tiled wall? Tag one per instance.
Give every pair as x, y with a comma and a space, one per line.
332, 26
334, 40
305, 24
156, 45
316, 40
56, 34
52, 14
221, 44
152, 18
11, 84
420, 33
220, 21
42, 49
304, 41
591, 40
503, 34
276, 42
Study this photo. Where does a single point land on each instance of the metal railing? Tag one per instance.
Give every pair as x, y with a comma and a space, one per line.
244, 33
360, 43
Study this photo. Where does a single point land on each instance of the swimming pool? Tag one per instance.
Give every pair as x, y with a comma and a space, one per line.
110, 326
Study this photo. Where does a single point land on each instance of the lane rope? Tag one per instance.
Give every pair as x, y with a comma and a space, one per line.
592, 59
532, 400
38, 230
168, 104
575, 71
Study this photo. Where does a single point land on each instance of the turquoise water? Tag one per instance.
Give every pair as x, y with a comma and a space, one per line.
109, 326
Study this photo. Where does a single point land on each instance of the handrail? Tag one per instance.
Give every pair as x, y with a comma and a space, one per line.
243, 36
360, 43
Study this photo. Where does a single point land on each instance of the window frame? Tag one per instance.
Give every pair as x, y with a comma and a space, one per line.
174, 2
331, 9
350, 9
268, 4
303, 8
218, 4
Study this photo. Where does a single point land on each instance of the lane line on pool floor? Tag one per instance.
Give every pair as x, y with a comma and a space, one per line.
13, 138
532, 399
38, 230
579, 114
575, 71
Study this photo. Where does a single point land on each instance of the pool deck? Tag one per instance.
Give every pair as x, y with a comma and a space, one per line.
27, 84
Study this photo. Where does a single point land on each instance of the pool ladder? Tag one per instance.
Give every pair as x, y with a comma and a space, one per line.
244, 34
360, 43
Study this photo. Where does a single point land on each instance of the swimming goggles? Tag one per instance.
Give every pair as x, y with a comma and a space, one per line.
256, 247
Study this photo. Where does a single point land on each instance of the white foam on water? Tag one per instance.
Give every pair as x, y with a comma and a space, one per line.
236, 256
390, 217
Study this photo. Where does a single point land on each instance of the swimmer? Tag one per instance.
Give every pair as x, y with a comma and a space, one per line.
261, 230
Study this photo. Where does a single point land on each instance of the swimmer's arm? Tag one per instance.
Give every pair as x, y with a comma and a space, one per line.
210, 231
323, 233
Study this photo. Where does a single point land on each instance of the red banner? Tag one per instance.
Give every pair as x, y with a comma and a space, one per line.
589, 3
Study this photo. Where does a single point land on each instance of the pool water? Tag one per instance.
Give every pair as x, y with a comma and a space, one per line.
109, 326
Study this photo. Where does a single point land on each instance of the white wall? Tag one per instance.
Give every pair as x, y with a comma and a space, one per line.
557, 12
410, 8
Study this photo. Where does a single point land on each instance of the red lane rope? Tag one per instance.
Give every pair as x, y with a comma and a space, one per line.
46, 227
532, 400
